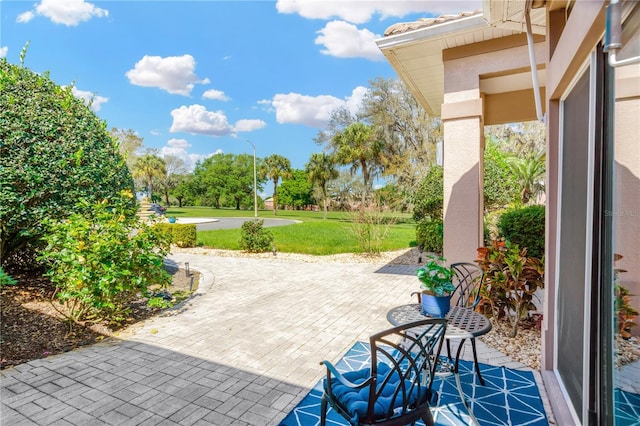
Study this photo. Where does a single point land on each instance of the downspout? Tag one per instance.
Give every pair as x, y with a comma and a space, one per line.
534, 64
613, 35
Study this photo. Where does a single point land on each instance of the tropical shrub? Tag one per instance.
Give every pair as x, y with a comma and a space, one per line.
429, 235
510, 281
102, 261
428, 198
624, 311
254, 238
54, 152
524, 227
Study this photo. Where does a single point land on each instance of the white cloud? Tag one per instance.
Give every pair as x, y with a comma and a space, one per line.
3, 51
25, 17
174, 74
249, 125
179, 148
361, 11
217, 95
195, 119
313, 111
345, 40
88, 97
66, 12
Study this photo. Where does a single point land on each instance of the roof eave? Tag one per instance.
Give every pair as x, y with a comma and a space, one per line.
432, 33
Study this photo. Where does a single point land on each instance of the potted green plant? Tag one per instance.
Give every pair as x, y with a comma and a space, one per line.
436, 280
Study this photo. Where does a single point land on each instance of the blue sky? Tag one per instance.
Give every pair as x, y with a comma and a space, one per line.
193, 78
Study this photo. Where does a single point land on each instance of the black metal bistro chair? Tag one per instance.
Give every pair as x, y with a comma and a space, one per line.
396, 388
467, 295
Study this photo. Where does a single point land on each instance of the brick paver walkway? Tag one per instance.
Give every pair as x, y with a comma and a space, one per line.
243, 351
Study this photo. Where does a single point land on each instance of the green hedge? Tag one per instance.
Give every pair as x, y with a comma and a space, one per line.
182, 234
429, 235
524, 227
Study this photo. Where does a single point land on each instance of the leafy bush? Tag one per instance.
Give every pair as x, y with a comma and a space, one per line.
100, 262
180, 234
6, 279
54, 152
184, 234
509, 282
524, 227
501, 187
429, 235
428, 198
254, 238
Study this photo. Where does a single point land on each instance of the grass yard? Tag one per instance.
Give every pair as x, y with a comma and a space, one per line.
313, 236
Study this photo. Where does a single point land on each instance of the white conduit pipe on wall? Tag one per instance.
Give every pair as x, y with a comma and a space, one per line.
613, 35
534, 64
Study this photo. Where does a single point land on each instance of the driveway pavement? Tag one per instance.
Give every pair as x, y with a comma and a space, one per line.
243, 351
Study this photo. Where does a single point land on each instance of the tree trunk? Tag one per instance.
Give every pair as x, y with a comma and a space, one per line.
179, 201
275, 197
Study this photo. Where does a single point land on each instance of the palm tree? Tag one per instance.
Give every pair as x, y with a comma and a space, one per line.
148, 168
357, 147
273, 168
321, 168
529, 172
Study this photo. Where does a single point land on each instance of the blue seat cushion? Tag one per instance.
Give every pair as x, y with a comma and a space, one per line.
355, 401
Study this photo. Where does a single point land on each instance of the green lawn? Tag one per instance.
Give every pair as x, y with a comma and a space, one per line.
313, 236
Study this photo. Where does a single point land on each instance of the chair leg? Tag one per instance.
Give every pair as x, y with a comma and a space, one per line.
449, 349
475, 360
428, 419
323, 410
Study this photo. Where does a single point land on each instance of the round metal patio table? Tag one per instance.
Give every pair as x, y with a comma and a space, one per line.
462, 323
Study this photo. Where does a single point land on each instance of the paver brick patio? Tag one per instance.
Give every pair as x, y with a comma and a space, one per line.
243, 351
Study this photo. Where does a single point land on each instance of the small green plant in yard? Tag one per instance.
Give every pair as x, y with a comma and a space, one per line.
100, 262
180, 234
370, 226
254, 238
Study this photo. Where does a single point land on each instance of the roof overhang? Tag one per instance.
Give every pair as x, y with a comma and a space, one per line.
417, 54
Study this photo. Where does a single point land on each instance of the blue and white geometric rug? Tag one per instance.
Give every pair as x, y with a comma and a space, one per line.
627, 408
510, 397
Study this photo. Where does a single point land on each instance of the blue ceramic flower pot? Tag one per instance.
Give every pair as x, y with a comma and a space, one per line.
435, 306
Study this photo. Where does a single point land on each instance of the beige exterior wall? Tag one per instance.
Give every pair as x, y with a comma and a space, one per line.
627, 180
